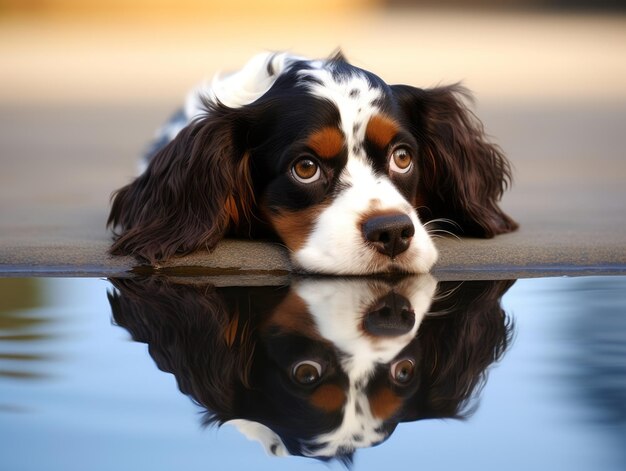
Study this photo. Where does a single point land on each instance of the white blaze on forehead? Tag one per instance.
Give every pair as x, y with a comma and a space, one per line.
371, 191
353, 95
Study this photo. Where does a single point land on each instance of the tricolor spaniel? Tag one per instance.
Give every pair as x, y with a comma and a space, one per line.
346, 170
327, 365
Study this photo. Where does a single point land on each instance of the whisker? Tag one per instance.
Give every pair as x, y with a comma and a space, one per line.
444, 221
447, 293
435, 233
443, 312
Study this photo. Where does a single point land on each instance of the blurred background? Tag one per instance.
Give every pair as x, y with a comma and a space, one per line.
146, 51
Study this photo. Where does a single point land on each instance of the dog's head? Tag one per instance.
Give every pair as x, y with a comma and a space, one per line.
326, 366
343, 168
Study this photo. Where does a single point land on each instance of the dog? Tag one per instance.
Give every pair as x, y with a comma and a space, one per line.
349, 173
324, 366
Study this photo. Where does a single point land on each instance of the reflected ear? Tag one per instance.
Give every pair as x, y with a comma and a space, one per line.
467, 332
194, 189
462, 175
183, 326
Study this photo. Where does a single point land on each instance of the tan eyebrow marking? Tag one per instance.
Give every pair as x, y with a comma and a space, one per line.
326, 142
381, 130
384, 403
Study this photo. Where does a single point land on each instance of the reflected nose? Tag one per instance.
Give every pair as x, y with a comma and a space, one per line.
391, 316
390, 234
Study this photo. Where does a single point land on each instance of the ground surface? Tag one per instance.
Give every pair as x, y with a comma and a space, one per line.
65, 147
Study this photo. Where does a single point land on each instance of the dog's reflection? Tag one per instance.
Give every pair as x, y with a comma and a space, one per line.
323, 366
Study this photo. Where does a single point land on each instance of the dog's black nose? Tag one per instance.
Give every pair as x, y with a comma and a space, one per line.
390, 316
390, 233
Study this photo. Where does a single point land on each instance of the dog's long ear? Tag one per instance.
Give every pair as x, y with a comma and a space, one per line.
467, 331
193, 190
191, 333
462, 175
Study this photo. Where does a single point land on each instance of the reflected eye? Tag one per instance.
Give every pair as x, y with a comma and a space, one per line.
307, 372
400, 160
306, 171
402, 371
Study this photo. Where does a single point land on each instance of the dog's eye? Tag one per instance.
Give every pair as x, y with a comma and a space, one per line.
307, 372
400, 160
306, 171
402, 371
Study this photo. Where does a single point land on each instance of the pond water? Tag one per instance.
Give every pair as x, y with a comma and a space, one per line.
137, 373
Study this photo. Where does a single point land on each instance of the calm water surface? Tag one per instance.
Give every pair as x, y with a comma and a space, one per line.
130, 374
